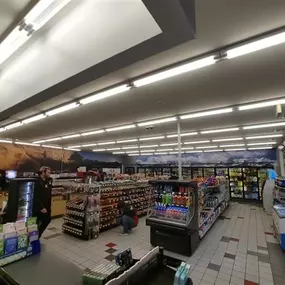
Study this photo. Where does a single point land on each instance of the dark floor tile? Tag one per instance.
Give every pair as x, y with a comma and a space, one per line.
261, 247
110, 250
231, 256
214, 267
221, 217
110, 244
227, 218
110, 257
52, 236
234, 239
252, 252
225, 239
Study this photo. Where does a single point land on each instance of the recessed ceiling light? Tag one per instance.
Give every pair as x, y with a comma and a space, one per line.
197, 142
74, 146
14, 125
206, 113
256, 45
62, 109
208, 146
175, 71
93, 133
146, 154
119, 152
121, 128
193, 151
25, 143
160, 153
99, 149
106, 143
91, 144
114, 148
261, 104
34, 119
152, 138
168, 144
134, 154
53, 139
37, 142
220, 130
264, 126
130, 147
213, 150
227, 140
126, 141
232, 145
185, 148
265, 147
131, 151
234, 149
52, 146
148, 146
183, 135
265, 137
159, 121
105, 94
261, 143
71, 136
148, 150
173, 152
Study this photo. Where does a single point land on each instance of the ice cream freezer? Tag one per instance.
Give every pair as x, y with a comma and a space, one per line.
278, 216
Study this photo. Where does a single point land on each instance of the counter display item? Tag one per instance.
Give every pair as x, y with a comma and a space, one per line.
278, 216
279, 191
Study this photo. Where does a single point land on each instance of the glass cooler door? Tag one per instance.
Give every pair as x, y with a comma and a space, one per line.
25, 200
236, 182
251, 187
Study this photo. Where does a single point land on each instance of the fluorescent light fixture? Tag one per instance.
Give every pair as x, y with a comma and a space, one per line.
159, 121
265, 147
197, 142
262, 104
227, 140
14, 125
52, 146
93, 133
168, 144
130, 147
134, 154
193, 151
256, 45
25, 143
106, 143
37, 142
91, 144
119, 152
71, 136
62, 109
74, 146
213, 150
234, 149
6, 141
220, 131
165, 149
142, 154
175, 71
208, 146
43, 11
160, 153
270, 125
206, 113
126, 141
232, 145
105, 94
121, 128
12, 42
72, 149
114, 148
2, 130
152, 138
261, 143
148, 146
53, 139
132, 151
34, 118
148, 150
183, 135
265, 137
185, 148
99, 149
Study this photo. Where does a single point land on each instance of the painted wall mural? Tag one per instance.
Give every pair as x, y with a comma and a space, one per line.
227, 157
30, 158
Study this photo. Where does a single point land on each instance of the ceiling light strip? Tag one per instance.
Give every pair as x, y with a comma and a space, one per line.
182, 135
232, 145
207, 113
264, 137
260, 143
270, 125
220, 131
227, 140
121, 128
261, 104
62, 109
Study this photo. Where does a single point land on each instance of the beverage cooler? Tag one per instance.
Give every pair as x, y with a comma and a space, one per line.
174, 219
20, 199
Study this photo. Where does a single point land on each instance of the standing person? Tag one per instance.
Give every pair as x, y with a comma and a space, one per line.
128, 217
42, 199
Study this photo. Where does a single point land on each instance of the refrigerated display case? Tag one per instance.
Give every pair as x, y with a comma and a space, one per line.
251, 185
166, 171
208, 172
186, 173
262, 176
222, 171
197, 172
174, 218
236, 182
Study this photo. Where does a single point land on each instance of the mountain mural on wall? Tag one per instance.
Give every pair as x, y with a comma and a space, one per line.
225, 157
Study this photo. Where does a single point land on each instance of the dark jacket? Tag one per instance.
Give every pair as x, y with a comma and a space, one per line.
42, 196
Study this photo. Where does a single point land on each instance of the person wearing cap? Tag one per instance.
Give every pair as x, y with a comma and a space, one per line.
42, 199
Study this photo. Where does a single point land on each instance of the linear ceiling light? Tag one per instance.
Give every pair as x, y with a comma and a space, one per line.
105, 94
62, 109
220, 131
148, 150
37, 142
168, 144
185, 148
227, 140
208, 146
6, 141
90, 144
71, 136
206, 113
261, 104
197, 142
232, 145
130, 147
152, 138
119, 152
146, 154
271, 125
14, 125
74, 146
148, 146
175, 71
99, 149
52, 146
106, 143
72, 149
183, 135
265, 137
265, 147
126, 141
261, 143
193, 151
34, 119
114, 148
166, 149
53, 139
121, 128
25, 143
234, 149
160, 153
132, 151
155, 122
213, 150
93, 133
2, 130
256, 45
133, 154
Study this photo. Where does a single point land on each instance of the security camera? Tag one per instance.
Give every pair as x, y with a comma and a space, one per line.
149, 127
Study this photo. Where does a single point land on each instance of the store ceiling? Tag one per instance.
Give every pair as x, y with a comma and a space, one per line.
256, 76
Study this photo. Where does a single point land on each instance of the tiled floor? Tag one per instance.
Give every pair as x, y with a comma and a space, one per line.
240, 249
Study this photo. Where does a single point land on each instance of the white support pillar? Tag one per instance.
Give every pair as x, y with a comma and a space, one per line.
281, 162
179, 152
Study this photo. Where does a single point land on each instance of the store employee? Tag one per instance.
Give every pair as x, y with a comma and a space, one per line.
42, 199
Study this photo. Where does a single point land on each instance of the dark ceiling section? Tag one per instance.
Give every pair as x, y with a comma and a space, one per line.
176, 19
